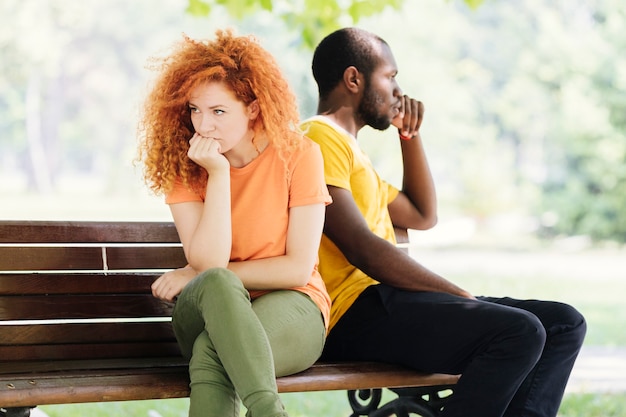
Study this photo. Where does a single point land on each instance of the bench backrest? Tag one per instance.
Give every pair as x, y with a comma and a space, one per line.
81, 290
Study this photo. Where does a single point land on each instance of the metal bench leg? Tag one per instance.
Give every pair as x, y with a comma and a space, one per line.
421, 401
15, 412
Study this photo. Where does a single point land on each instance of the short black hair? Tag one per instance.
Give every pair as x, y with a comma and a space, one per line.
341, 49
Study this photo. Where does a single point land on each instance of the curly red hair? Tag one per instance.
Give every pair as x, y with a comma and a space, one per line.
247, 69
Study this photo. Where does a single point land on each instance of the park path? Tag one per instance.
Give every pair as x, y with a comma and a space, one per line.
599, 369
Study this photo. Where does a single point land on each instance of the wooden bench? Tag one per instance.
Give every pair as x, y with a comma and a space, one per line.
78, 324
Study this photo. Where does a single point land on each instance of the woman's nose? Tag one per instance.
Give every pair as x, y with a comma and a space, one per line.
206, 126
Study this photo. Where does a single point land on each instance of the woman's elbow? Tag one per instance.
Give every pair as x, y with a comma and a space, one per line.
302, 278
202, 263
301, 275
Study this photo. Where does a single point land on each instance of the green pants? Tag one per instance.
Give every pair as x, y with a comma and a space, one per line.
236, 347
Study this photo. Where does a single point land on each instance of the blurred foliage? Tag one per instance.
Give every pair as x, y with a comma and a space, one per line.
312, 19
525, 100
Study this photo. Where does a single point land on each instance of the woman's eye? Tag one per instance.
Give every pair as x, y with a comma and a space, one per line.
193, 109
218, 111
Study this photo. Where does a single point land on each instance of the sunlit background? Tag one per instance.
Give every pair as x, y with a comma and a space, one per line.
525, 129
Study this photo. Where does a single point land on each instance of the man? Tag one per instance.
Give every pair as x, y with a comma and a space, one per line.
515, 356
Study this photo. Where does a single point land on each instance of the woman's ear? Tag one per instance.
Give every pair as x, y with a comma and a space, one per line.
353, 79
253, 110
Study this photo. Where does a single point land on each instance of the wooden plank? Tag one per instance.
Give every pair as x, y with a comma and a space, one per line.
77, 283
47, 367
81, 307
38, 258
17, 231
148, 257
49, 258
94, 386
13, 356
359, 375
77, 333
76, 386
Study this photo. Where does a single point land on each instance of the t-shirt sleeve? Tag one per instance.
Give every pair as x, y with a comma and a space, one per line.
307, 178
337, 154
181, 194
392, 192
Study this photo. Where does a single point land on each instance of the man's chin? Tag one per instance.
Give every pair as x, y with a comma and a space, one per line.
380, 125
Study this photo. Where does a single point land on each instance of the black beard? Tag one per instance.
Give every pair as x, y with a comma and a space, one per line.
369, 115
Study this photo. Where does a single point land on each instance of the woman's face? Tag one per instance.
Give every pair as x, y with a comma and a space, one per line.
218, 114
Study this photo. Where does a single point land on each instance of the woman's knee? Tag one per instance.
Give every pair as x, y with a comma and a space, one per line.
214, 281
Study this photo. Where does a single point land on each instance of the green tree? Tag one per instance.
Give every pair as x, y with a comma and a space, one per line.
311, 19
526, 109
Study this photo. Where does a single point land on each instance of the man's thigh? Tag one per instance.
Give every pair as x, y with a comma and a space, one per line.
434, 332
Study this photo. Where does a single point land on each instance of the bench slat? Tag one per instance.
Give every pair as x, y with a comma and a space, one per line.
41, 334
85, 350
17, 231
36, 258
172, 382
77, 283
94, 386
46, 258
149, 258
359, 375
43, 307
72, 365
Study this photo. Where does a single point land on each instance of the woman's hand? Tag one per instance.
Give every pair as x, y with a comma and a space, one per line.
206, 153
170, 284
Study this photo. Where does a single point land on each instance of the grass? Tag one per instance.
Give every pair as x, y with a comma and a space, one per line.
316, 404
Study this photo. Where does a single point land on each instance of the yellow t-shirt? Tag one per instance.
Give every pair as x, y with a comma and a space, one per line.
261, 195
348, 167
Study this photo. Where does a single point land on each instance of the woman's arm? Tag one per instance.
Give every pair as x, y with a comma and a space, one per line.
205, 228
205, 232
293, 269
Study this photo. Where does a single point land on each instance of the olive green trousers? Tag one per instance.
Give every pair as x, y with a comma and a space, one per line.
236, 347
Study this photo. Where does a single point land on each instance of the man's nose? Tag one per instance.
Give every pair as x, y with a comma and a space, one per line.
397, 91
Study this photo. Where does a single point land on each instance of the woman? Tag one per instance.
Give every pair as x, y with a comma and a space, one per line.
247, 193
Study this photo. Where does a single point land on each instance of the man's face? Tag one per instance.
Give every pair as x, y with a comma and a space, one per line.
382, 95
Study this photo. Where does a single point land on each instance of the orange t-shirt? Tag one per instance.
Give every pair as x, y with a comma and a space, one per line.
261, 194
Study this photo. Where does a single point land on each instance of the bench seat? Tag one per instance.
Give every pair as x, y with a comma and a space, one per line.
78, 324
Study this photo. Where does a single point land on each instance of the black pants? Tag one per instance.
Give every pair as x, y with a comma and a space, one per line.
515, 356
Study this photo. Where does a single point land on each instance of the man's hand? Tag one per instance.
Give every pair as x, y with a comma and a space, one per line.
409, 120
170, 284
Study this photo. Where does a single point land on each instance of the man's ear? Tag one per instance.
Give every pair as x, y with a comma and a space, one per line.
353, 79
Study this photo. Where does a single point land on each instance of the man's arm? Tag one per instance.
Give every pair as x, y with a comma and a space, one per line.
381, 260
416, 205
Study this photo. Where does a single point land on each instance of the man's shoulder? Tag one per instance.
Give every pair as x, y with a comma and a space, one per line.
324, 131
